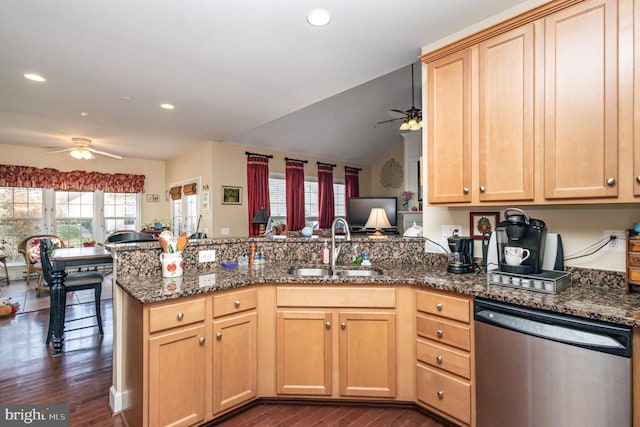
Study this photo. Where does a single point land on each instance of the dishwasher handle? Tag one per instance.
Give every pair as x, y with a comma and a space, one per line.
597, 341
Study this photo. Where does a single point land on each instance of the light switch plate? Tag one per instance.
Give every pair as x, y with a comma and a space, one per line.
207, 256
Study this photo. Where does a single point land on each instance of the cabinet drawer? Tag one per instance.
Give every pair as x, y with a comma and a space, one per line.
446, 358
178, 314
634, 259
452, 307
234, 302
363, 296
634, 274
634, 245
444, 331
445, 393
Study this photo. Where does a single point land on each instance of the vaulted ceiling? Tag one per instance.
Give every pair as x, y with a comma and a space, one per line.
246, 71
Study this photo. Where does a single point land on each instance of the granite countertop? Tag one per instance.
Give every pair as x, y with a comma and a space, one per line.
584, 298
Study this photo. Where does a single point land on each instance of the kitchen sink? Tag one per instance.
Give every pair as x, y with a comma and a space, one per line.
319, 271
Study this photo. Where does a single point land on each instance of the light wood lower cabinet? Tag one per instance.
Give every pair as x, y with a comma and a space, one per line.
309, 338
445, 370
234, 349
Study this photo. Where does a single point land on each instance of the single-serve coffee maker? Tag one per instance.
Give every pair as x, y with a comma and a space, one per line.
461, 256
521, 242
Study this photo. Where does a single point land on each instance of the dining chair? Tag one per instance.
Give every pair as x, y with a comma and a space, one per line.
29, 247
72, 282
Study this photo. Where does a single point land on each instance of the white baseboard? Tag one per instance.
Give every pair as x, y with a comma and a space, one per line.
118, 401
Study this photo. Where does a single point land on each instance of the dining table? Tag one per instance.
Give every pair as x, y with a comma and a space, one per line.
63, 259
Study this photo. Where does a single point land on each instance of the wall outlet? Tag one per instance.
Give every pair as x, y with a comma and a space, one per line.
224, 231
207, 256
618, 244
206, 280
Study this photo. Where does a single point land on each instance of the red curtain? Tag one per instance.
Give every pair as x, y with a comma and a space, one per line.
31, 177
295, 194
326, 210
257, 188
351, 183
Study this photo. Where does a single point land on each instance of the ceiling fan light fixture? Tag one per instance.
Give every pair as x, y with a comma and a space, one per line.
404, 125
76, 154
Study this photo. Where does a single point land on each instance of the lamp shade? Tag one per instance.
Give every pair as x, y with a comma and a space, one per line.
261, 217
377, 219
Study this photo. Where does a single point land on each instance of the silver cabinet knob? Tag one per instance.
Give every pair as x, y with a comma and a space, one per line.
201, 340
439, 306
611, 181
328, 325
219, 336
180, 316
440, 394
439, 359
482, 189
343, 325
465, 190
439, 332
638, 178
237, 303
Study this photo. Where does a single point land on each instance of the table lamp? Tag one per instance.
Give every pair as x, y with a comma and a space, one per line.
377, 219
261, 218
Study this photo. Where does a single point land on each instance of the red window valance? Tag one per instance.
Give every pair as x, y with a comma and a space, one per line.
27, 176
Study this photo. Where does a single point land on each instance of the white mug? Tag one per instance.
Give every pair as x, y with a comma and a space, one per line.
172, 264
514, 255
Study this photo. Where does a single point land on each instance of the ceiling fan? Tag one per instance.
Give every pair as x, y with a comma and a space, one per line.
82, 150
412, 119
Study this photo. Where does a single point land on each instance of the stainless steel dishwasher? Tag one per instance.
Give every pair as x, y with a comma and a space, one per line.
537, 368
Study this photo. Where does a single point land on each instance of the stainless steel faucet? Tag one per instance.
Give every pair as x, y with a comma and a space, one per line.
335, 249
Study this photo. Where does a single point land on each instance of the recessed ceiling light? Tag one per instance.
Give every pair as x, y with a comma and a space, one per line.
167, 106
84, 114
35, 77
319, 17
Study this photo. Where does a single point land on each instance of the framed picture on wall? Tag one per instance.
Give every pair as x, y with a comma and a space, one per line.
482, 222
231, 195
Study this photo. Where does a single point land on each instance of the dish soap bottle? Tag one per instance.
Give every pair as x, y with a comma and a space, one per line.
325, 253
354, 257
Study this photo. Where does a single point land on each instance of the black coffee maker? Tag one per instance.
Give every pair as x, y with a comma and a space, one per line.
519, 231
461, 256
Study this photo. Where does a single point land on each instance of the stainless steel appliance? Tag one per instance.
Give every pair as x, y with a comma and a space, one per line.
536, 368
518, 230
461, 256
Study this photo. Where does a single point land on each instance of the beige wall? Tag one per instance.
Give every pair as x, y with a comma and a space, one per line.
153, 170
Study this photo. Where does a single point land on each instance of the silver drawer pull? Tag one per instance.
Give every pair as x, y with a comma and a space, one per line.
638, 178
440, 394
439, 332
237, 303
465, 190
343, 325
180, 316
611, 181
219, 336
439, 359
482, 189
328, 325
201, 340
439, 306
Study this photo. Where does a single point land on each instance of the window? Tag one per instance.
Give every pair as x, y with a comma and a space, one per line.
21, 215
74, 217
77, 217
120, 212
278, 198
185, 210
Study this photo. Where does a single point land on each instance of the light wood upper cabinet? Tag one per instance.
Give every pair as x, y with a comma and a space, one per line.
449, 141
506, 115
581, 101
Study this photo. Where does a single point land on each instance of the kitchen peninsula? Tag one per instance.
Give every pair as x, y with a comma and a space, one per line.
232, 336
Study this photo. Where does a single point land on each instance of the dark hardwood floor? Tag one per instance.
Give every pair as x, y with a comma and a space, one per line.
81, 377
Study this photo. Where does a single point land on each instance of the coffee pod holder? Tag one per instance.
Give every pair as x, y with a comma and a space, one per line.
549, 281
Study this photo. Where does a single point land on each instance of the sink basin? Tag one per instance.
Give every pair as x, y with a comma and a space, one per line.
319, 271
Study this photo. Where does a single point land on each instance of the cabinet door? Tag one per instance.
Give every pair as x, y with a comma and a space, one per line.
506, 112
176, 377
581, 101
449, 143
234, 361
636, 98
303, 352
367, 354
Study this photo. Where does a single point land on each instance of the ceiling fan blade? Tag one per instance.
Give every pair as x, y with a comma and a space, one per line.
61, 151
390, 120
103, 153
401, 112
